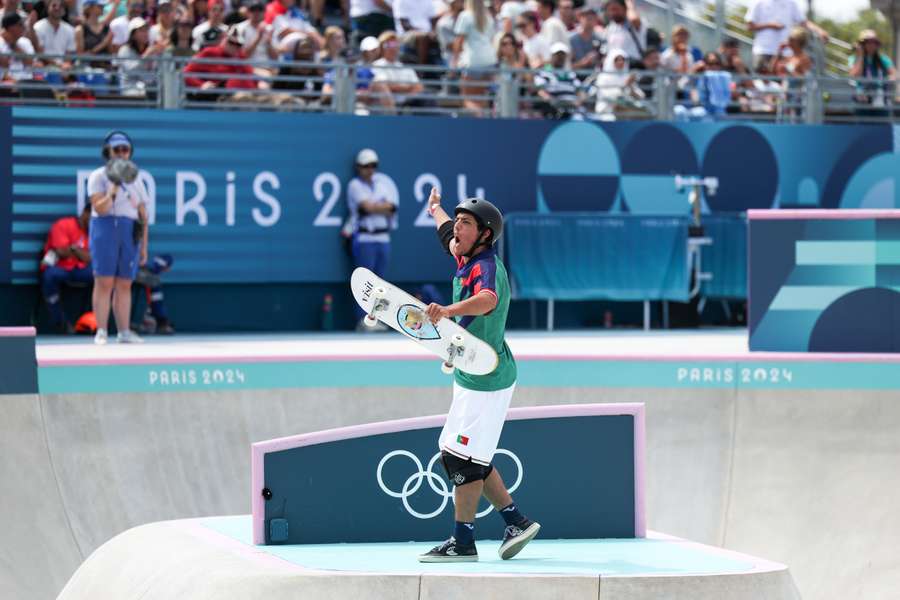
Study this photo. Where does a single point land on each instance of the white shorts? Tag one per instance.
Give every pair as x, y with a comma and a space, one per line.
474, 423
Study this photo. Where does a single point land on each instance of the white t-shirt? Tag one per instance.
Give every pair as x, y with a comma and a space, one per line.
672, 61
359, 8
249, 33
380, 190
286, 21
621, 37
200, 30
55, 41
419, 13
400, 74
536, 47
786, 12
156, 32
17, 69
478, 48
128, 198
119, 28
553, 30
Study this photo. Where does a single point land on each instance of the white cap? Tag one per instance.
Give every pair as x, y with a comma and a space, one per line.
136, 23
368, 44
366, 156
559, 47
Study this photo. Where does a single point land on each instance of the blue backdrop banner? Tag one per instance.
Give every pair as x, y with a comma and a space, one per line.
260, 197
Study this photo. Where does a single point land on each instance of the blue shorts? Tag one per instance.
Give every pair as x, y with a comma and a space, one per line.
113, 251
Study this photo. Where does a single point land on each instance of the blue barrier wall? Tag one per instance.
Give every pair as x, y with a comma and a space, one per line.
259, 197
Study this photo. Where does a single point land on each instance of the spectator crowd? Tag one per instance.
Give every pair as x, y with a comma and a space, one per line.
590, 58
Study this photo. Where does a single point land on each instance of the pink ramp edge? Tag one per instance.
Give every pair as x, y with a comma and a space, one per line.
17, 332
260, 449
823, 213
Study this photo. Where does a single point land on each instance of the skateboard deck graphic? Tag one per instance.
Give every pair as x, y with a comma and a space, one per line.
405, 313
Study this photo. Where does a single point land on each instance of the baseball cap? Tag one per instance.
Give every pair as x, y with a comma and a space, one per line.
366, 156
559, 47
368, 44
234, 35
118, 139
136, 23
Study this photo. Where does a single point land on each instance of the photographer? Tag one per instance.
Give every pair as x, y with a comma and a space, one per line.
869, 63
587, 45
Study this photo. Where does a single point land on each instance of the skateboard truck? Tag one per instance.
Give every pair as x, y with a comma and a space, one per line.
378, 304
456, 349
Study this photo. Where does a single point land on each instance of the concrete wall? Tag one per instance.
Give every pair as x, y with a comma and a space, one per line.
803, 478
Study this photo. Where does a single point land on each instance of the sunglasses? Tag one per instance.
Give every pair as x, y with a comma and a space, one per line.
121, 149
369, 166
391, 44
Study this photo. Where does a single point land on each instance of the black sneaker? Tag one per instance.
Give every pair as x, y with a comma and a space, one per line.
515, 538
450, 551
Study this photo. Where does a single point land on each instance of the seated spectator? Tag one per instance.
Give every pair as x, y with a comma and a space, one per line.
415, 21
626, 31
732, 62
552, 29
210, 32
401, 81
294, 20
120, 25
335, 50
446, 27
791, 59
368, 91
304, 78
646, 80
712, 94
180, 41
13, 41
614, 86
94, 36
166, 16
66, 258
156, 317
678, 57
510, 54
535, 46
256, 35
210, 77
136, 76
370, 17
55, 36
557, 86
868, 62
586, 43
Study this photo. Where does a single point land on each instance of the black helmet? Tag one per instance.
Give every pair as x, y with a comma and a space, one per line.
488, 215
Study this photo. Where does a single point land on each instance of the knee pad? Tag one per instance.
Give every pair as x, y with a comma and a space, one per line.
461, 471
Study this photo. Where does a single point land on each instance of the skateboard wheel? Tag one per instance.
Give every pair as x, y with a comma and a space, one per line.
370, 321
457, 340
379, 292
447, 368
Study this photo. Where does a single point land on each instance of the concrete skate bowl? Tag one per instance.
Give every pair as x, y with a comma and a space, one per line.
775, 468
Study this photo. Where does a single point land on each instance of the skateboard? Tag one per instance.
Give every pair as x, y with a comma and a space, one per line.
405, 313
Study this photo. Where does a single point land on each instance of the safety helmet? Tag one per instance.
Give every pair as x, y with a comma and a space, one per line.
115, 138
366, 156
487, 215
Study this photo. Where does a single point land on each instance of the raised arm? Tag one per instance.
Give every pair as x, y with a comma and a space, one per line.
442, 221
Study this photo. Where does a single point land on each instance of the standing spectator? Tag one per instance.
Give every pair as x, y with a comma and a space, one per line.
210, 32
535, 46
446, 27
473, 50
586, 43
625, 31
401, 80
119, 25
771, 21
256, 35
370, 17
509, 14
557, 86
136, 76
373, 214
552, 29
13, 41
118, 213
165, 22
229, 48
94, 36
567, 15
415, 21
66, 259
869, 63
55, 36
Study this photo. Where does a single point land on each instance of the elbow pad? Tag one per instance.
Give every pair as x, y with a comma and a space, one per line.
445, 234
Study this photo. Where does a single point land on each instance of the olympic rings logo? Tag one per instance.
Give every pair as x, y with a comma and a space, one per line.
435, 482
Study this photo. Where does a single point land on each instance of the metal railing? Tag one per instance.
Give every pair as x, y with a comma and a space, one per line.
165, 82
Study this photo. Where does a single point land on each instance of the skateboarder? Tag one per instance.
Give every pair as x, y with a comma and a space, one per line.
472, 431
